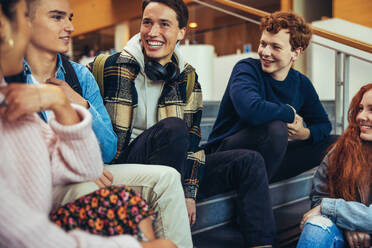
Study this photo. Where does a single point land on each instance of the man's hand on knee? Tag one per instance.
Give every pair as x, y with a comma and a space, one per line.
191, 210
296, 130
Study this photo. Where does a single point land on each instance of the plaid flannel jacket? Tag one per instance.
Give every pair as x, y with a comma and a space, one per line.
120, 98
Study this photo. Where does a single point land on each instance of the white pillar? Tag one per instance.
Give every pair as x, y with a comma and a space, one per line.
201, 58
122, 33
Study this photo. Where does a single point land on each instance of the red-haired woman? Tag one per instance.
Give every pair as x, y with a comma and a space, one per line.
341, 197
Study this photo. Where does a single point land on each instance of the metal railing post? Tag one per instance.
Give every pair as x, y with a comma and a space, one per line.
338, 124
346, 90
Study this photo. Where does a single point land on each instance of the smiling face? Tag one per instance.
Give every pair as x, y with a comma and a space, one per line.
51, 26
364, 116
17, 30
160, 32
276, 53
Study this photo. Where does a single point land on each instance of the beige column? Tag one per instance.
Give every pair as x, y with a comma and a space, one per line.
122, 35
70, 51
286, 5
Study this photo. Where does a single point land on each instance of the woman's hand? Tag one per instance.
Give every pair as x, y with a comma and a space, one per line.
105, 180
358, 239
307, 215
23, 99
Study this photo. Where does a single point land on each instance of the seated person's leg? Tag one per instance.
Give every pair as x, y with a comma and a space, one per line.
108, 211
319, 232
243, 171
160, 187
302, 156
165, 143
270, 140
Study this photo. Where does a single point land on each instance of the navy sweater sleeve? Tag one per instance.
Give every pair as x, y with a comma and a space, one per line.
313, 113
246, 96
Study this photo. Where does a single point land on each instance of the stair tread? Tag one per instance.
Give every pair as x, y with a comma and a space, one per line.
221, 208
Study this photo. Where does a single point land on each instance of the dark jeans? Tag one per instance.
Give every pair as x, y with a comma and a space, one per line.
283, 158
165, 143
243, 171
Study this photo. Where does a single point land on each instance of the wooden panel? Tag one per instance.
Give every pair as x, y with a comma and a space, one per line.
90, 15
357, 11
286, 5
243, 7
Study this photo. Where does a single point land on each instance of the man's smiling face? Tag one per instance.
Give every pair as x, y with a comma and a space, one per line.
160, 32
276, 53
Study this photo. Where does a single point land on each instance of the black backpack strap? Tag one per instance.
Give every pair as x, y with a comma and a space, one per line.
70, 76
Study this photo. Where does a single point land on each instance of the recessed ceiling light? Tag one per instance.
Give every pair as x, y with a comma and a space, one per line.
193, 25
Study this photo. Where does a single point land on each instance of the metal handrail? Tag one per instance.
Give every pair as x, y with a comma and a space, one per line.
341, 51
367, 47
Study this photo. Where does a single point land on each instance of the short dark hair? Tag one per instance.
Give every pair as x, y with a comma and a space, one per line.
8, 8
300, 32
177, 5
32, 6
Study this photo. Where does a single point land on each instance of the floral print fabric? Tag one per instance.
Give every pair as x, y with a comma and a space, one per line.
108, 211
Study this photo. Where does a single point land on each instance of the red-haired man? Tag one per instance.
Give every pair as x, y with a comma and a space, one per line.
265, 107
270, 107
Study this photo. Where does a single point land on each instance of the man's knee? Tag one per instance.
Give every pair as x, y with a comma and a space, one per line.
167, 178
249, 164
170, 174
174, 124
278, 130
175, 134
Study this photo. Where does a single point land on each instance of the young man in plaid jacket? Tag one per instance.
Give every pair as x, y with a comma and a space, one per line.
157, 117
144, 92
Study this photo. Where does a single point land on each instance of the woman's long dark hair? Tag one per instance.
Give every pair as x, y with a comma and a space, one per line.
351, 160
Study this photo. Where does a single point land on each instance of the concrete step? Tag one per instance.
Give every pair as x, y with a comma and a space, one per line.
206, 127
228, 235
210, 108
289, 202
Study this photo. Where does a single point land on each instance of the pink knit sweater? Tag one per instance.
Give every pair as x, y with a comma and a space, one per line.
35, 156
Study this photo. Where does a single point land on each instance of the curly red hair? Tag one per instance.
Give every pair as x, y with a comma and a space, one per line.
300, 32
350, 161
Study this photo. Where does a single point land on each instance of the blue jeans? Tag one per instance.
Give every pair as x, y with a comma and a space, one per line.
319, 232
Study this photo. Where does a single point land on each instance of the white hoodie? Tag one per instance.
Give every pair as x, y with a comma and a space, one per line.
147, 90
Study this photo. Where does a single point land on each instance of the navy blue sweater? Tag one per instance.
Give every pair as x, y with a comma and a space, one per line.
253, 97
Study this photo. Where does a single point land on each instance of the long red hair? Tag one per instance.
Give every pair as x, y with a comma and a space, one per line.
350, 161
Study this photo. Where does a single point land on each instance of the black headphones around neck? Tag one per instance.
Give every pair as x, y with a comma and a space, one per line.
169, 73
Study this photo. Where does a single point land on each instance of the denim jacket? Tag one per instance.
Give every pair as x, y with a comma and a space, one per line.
350, 215
101, 124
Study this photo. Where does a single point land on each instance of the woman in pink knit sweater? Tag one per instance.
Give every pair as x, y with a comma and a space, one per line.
35, 156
